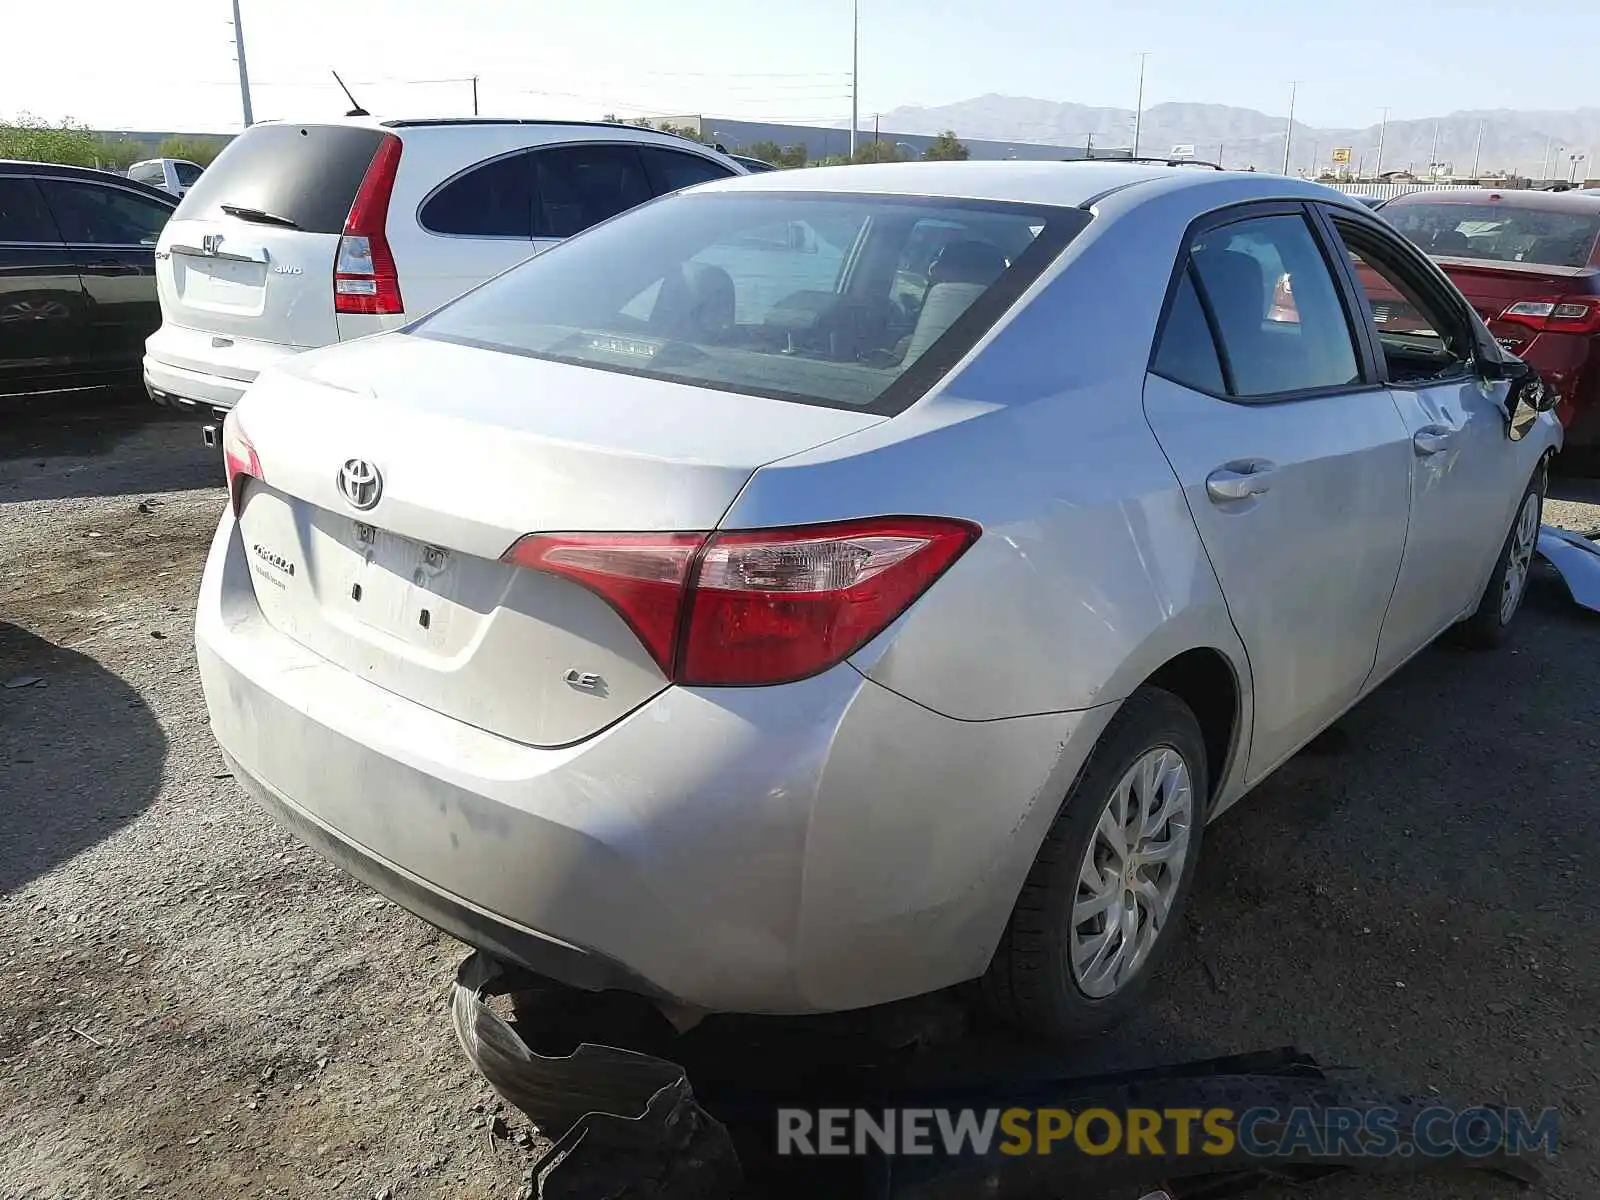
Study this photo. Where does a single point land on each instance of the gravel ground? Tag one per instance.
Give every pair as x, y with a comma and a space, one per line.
190, 1004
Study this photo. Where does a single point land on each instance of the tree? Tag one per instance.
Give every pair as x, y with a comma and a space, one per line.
778, 156
32, 140
879, 152
196, 150
946, 148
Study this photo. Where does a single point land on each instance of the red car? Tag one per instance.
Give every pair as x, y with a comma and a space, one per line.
1529, 262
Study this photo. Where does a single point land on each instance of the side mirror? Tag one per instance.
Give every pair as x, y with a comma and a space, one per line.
1527, 399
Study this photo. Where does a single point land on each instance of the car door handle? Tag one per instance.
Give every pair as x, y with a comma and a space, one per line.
1432, 439
1239, 481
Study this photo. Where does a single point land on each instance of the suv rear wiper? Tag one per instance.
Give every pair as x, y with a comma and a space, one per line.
259, 216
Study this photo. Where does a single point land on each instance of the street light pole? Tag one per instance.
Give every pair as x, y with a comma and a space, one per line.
1477, 150
855, 73
244, 72
1288, 132
1383, 129
1138, 107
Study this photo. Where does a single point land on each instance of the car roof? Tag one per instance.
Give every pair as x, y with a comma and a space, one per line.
1574, 202
13, 166
1061, 184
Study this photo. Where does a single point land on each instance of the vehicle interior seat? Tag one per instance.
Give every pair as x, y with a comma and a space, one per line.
1236, 287
696, 302
1450, 242
961, 273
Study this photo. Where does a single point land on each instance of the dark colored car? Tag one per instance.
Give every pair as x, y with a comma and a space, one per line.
1370, 201
1529, 261
77, 276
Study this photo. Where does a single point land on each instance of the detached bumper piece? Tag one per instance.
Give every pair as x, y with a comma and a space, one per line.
1576, 556
626, 1125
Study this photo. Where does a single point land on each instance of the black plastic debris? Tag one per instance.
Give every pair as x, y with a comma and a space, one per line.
626, 1125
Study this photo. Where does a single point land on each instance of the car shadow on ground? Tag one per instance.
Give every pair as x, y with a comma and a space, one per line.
99, 444
81, 755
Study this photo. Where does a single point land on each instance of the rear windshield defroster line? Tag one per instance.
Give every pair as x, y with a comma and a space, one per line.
844, 300
308, 174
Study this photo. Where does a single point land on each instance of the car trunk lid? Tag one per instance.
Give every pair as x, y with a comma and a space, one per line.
469, 450
1492, 287
250, 251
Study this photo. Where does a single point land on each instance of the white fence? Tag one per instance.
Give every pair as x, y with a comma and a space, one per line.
1388, 191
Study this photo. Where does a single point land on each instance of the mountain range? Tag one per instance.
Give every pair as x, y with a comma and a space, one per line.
1532, 143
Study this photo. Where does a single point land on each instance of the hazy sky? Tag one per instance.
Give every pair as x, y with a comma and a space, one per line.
168, 64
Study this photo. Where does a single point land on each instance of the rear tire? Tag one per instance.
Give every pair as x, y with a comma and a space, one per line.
1490, 624
1045, 977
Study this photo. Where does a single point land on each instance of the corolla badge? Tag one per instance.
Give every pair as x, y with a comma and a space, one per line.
360, 483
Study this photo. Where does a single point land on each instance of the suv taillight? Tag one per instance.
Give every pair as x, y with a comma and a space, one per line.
755, 606
239, 459
364, 276
1556, 314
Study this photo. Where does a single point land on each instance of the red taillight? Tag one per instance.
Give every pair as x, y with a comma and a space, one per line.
1556, 314
364, 276
641, 575
239, 460
756, 607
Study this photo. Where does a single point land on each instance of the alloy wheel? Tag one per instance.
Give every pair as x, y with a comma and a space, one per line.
1519, 557
1131, 872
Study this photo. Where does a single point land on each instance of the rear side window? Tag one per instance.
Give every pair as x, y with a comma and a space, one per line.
150, 173
308, 174
492, 200
1498, 232
670, 170
89, 213
580, 186
186, 172
1188, 354
1276, 309
23, 215
788, 296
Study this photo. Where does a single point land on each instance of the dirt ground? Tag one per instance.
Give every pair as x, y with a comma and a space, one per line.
192, 1005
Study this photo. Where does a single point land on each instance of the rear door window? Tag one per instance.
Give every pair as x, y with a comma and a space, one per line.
186, 172
23, 215
1187, 353
670, 170
491, 200
93, 214
580, 186
1276, 309
308, 174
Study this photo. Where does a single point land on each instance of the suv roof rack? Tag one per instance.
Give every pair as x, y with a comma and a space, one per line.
418, 122
1165, 162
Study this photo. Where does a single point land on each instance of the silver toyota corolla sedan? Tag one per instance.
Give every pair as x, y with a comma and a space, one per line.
819, 588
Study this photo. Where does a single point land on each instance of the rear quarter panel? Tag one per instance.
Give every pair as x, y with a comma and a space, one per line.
1089, 575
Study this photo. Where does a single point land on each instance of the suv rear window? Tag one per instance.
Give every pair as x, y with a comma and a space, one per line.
804, 296
307, 173
1498, 232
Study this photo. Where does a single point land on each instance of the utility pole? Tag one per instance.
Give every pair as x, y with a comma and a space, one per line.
1138, 107
1377, 170
1315, 169
474, 95
1433, 152
244, 72
1220, 147
1288, 132
875, 117
1544, 166
1477, 150
855, 73
1088, 147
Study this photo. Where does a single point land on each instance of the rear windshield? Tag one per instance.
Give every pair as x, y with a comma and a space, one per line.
1498, 233
842, 300
308, 174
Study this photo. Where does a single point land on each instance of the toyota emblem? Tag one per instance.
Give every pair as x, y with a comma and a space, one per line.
360, 483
